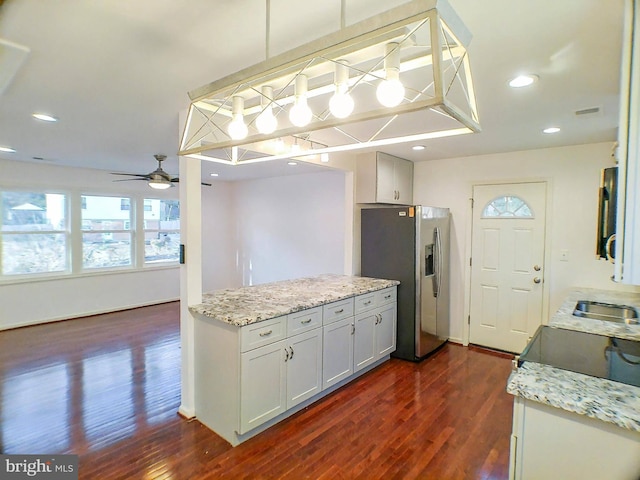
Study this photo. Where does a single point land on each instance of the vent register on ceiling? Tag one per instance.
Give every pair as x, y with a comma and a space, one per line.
400, 76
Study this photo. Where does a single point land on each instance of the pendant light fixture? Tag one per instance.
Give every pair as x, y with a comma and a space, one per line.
300, 113
341, 104
390, 91
402, 75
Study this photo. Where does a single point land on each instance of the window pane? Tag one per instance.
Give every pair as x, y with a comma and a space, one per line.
507, 206
33, 253
161, 247
162, 214
25, 212
106, 249
105, 213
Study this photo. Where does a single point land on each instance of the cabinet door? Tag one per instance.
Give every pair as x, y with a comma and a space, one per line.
262, 385
337, 351
385, 182
386, 331
403, 181
364, 342
304, 366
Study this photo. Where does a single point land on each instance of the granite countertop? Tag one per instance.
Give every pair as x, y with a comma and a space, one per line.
564, 317
597, 398
246, 305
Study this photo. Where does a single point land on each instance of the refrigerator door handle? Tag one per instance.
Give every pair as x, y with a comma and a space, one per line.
436, 261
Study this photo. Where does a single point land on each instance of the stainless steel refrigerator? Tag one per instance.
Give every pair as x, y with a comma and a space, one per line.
411, 244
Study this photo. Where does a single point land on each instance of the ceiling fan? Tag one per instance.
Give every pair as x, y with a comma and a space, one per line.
158, 179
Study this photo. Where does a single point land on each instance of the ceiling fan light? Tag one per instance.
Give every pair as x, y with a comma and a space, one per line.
237, 129
159, 184
300, 114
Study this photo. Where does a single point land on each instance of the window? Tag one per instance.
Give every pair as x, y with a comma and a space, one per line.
106, 237
125, 204
507, 207
161, 230
34, 233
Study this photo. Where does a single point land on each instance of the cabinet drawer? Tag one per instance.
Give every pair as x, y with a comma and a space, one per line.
365, 302
304, 320
337, 310
262, 333
388, 295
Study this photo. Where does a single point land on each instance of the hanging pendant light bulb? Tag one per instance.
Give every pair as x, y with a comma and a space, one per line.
341, 103
266, 122
237, 128
390, 91
300, 113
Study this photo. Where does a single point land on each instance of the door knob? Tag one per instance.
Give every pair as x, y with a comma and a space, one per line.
536, 268
536, 280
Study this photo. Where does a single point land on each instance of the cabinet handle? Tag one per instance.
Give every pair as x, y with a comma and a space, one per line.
387, 297
304, 322
353, 329
287, 355
340, 311
264, 334
291, 356
368, 302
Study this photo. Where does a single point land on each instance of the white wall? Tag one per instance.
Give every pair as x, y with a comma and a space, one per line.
290, 227
574, 177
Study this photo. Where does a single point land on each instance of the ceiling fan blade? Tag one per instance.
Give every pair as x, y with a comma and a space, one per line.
177, 180
132, 174
131, 179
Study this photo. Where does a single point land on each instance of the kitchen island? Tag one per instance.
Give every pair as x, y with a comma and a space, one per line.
572, 425
265, 352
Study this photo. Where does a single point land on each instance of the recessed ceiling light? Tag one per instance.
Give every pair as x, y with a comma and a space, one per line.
324, 157
418, 147
523, 81
44, 117
551, 130
292, 163
214, 174
7, 150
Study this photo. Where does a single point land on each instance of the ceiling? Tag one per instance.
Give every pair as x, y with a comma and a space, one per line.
116, 73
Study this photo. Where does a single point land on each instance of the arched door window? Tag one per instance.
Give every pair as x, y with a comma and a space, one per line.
507, 207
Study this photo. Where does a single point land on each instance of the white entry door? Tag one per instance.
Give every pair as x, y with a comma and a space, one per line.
507, 266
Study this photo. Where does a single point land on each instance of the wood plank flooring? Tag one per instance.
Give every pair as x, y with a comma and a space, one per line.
108, 388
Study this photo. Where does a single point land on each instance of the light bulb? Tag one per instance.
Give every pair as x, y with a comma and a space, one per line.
237, 128
341, 104
266, 122
300, 113
390, 91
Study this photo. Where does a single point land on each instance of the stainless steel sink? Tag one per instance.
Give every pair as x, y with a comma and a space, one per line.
606, 311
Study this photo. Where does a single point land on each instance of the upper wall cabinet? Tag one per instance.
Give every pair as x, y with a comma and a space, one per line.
383, 178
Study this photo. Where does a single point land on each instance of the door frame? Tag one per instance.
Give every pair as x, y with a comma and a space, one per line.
469, 239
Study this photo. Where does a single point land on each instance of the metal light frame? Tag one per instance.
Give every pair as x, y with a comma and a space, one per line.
439, 97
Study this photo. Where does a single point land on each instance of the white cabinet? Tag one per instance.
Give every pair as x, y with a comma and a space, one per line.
337, 359
250, 377
375, 330
383, 178
548, 442
263, 385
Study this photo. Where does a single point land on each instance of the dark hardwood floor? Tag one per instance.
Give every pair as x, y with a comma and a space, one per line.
108, 388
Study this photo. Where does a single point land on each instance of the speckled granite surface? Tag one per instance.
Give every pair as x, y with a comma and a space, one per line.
246, 305
564, 317
598, 398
